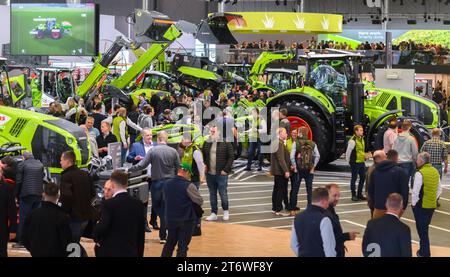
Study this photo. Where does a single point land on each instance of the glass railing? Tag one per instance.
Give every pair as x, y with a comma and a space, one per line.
406, 57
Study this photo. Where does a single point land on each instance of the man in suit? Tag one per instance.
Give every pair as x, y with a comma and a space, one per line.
280, 168
387, 236
7, 215
121, 228
137, 153
47, 231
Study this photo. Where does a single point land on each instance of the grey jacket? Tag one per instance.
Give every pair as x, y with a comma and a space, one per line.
164, 159
30, 176
406, 147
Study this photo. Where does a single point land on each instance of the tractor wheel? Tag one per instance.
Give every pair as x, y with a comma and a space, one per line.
302, 114
418, 131
56, 33
40, 34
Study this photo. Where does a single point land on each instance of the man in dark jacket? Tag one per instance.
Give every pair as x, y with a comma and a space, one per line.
121, 228
280, 168
387, 236
8, 215
105, 138
312, 232
218, 156
180, 196
77, 191
339, 235
46, 232
29, 185
387, 178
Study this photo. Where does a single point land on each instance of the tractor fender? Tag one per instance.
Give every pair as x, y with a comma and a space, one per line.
288, 97
382, 118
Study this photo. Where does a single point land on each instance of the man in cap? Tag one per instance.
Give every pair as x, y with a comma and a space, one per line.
183, 207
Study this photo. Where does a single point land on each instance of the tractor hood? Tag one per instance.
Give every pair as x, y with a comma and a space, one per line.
214, 29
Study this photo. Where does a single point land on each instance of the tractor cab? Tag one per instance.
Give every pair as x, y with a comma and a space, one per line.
54, 83
281, 79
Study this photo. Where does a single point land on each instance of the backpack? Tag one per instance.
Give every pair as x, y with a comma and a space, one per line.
305, 155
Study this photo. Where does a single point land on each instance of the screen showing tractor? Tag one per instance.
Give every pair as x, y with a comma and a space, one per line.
54, 29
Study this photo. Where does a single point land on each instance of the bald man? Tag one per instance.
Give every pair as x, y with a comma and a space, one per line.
378, 156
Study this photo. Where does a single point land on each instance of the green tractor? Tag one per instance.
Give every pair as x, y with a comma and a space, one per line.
332, 100
45, 136
50, 28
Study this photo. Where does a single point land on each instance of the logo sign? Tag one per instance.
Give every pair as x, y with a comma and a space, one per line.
74, 250
114, 150
374, 249
4, 119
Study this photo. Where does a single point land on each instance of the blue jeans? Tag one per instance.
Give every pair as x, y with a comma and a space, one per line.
156, 191
178, 233
305, 174
423, 219
123, 155
217, 183
408, 168
358, 169
26, 205
254, 146
77, 227
295, 186
439, 168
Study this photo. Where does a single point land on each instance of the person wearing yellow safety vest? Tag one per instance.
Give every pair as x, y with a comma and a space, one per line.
426, 190
355, 156
258, 127
191, 154
120, 123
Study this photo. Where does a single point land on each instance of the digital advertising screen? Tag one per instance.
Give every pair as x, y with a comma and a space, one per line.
54, 29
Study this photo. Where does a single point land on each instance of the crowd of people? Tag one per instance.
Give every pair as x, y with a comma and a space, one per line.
175, 175
314, 44
398, 168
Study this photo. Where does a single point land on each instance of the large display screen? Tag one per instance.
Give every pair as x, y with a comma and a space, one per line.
54, 29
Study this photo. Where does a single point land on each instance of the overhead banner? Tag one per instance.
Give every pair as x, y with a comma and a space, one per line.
286, 22
356, 37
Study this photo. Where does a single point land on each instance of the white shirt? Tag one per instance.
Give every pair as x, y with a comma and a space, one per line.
147, 148
393, 215
120, 191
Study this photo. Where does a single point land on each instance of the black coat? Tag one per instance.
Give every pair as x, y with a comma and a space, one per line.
121, 229
339, 235
47, 231
8, 216
387, 178
77, 192
104, 141
392, 235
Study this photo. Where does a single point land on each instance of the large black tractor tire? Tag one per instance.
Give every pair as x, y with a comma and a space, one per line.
418, 130
316, 121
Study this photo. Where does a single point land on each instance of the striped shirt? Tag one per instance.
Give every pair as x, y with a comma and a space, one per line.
437, 150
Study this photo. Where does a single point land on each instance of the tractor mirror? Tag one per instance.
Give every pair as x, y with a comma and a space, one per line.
214, 29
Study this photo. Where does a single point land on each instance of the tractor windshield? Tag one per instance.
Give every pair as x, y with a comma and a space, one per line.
282, 81
418, 110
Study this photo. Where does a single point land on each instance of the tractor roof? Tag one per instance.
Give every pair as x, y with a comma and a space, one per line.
282, 70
